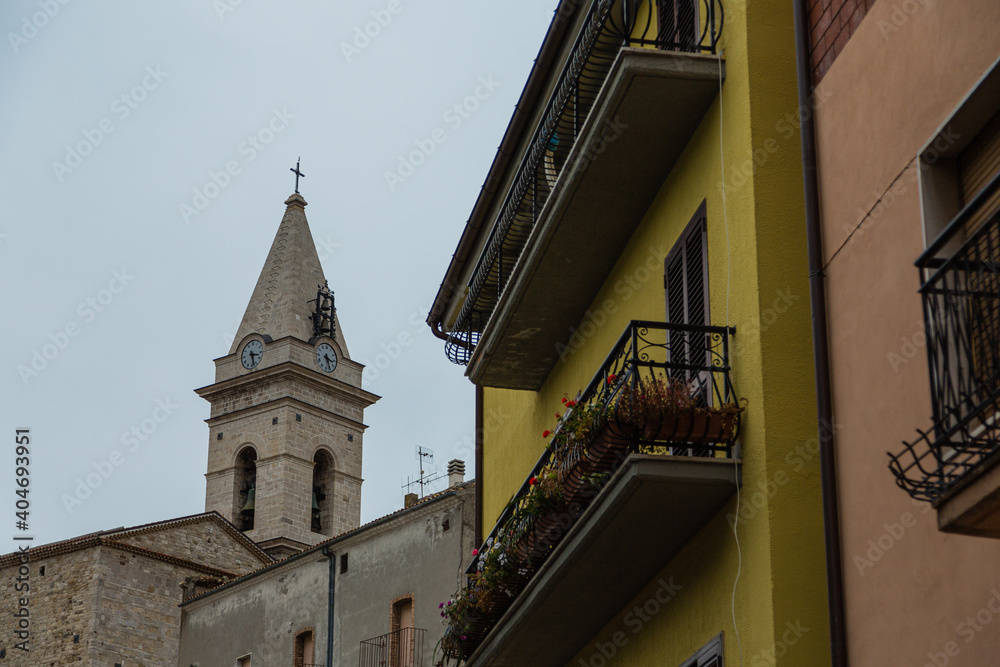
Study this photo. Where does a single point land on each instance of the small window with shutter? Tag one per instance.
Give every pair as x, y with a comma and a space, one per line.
709, 656
685, 280
686, 275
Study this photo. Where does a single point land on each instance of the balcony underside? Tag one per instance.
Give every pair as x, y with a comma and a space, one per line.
650, 105
973, 506
650, 508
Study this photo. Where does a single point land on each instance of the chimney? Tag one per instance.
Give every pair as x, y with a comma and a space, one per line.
456, 472
410, 499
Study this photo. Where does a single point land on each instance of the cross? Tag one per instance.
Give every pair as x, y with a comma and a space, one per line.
297, 174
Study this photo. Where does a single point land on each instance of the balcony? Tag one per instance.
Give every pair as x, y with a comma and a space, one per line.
402, 648
551, 573
954, 464
637, 82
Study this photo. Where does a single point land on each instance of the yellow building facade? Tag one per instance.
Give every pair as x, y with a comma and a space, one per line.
693, 120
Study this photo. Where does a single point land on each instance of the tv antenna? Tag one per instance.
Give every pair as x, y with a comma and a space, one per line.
425, 457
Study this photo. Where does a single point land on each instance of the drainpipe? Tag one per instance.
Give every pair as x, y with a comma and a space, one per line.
821, 347
329, 607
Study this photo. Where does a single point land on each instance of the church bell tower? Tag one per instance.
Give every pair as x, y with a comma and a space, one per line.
287, 418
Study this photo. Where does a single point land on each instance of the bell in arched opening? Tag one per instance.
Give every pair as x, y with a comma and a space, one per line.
251, 494
247, 513
321, 508
317, 514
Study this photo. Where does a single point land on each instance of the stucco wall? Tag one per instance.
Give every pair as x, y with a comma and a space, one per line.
910, 589
260, 617
419, 557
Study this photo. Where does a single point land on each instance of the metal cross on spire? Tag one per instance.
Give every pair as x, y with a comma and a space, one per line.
297, 173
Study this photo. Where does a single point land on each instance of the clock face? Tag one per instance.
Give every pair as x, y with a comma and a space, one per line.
252, 353
326, 357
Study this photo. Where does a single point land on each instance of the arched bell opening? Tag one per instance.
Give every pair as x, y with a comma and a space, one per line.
246, 488
322, 492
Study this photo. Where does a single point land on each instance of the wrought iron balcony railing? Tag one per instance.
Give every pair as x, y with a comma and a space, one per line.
402, 648
675, 25
698, 356
961, 301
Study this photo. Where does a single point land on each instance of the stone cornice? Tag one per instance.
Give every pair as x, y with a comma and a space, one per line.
285, 400
287, 370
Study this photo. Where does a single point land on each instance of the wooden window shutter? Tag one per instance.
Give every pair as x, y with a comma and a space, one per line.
977, 165
686, 284
686, 274
677, 21
709, 656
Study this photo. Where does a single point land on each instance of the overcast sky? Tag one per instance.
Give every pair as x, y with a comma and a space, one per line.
129, 252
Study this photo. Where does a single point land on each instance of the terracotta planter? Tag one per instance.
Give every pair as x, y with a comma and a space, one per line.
546, 531
577, 491
695, 427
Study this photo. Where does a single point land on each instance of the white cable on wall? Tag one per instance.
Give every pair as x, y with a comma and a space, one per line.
729, 270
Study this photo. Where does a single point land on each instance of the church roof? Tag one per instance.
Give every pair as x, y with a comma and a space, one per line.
290, 278
112, 538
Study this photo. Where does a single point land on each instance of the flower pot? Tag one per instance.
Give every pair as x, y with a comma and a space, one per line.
695, 427
545, 532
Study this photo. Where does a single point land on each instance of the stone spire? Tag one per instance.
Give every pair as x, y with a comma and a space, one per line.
279, 305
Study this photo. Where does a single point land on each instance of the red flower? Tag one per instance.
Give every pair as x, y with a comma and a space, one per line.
612, 378
564, 400
558, 416
571, 404
475, 552
546, 433
532, 481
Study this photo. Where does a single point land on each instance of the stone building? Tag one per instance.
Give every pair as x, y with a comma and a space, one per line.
284, 475
382, 581
111, 598
286, 425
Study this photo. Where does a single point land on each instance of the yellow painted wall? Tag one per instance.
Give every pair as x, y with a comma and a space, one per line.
762, 260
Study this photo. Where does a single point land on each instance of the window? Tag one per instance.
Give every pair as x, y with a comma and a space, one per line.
304, 652
677, 22
959, 168
959, 172
978, 165
710, 656
686, 274
401, 644
685, 280
244, 661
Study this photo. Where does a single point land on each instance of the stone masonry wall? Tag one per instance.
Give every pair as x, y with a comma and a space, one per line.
60, 605
137, 615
